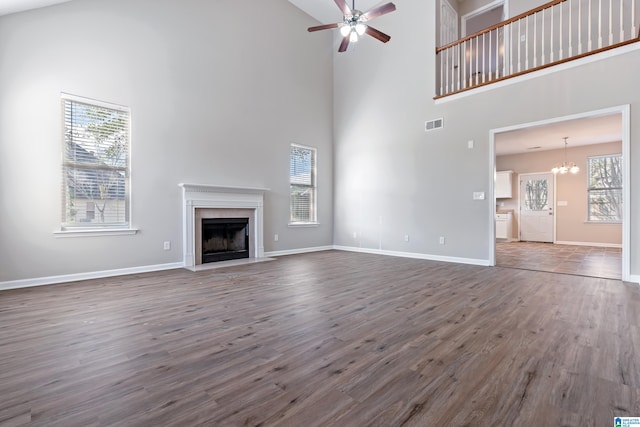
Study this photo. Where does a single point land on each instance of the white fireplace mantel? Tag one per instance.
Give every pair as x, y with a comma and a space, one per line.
202, 196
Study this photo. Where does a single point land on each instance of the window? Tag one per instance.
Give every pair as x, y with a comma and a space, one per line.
604, 188
95, 165
302, 185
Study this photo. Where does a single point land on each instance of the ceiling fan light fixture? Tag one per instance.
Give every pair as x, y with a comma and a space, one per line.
353, 37
360, 28
345, 30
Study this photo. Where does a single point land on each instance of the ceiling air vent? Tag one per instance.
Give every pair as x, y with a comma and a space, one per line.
433, 124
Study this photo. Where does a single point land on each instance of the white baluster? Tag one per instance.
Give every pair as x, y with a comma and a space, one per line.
518, 41
622, 20
484, 65
535, 40
543, 34
526, 45
599, 24
560, 41
477, 55
446, 71
610, 22
570, 30
579, 27
464, 65
490, 44
441, 73
634, 33
589, 23
551, 37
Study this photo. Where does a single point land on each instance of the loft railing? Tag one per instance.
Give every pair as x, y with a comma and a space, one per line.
556, 32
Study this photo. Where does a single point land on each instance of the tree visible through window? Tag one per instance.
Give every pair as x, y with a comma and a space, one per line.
604, 188
95, 164
302, 184
537, 195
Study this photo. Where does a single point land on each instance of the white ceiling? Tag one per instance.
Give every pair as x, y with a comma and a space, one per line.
327, 12
13, 6
584, 131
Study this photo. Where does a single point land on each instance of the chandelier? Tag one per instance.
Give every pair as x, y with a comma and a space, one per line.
565, 166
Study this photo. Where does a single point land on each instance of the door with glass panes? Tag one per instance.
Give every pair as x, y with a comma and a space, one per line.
536, 207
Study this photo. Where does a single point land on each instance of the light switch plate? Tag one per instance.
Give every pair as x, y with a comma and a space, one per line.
478, 195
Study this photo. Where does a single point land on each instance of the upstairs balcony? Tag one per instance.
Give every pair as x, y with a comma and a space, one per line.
551, 34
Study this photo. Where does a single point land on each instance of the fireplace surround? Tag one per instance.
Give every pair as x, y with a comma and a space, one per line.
213, 201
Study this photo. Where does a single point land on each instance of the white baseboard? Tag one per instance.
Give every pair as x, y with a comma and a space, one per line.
428, 257
598, 245
52, 280
634, 278
298, 251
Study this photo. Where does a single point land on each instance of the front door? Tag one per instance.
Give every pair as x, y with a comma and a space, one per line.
536, 207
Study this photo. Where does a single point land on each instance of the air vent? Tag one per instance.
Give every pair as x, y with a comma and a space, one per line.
433, 124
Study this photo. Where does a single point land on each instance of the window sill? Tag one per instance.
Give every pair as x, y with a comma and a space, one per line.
95, 232
603, 222
303, 224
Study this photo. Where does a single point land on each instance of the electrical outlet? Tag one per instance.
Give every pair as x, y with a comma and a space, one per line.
355, 235
406, 237
442, 240
275, 237
167, 245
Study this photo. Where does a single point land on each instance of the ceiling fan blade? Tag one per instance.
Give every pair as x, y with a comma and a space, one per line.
344, 44
344, 7
377, 34
379, 11
322, 27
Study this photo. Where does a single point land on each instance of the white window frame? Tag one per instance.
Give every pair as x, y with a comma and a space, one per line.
312, 187
73, 227
590, 189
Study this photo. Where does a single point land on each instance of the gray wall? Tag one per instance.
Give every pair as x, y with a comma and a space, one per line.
421, 183
211, 84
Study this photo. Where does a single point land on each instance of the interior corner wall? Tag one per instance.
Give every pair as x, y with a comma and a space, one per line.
394, 179
218, 91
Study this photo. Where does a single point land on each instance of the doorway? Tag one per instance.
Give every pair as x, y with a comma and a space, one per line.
589, 122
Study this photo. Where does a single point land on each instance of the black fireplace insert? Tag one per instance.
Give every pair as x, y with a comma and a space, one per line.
224, 239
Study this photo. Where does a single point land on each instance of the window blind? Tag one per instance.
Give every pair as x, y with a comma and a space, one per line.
95, 189
302, 179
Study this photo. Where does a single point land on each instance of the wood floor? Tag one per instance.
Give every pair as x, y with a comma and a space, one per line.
323, 339
568, 259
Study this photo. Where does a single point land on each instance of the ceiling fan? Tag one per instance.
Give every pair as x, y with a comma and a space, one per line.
354, 23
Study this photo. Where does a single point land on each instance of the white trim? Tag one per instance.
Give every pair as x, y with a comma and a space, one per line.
543, 72
298, 251
95, 232
625, 112
200, 196
634, 278
479, 11
414, 255
94, 102
52, 280
597, 245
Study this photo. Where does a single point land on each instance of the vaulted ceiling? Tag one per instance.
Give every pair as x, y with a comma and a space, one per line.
547, 137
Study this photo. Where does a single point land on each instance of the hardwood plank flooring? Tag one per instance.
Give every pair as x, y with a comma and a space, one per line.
568, 259
323, 339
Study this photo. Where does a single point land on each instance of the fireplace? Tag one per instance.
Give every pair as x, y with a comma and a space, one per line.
224, 239
212, 201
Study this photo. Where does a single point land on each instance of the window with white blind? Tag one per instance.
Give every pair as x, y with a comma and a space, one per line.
302, 185
604, 188
95, 164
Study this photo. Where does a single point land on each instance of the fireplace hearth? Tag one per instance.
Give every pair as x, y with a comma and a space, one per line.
224, 239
